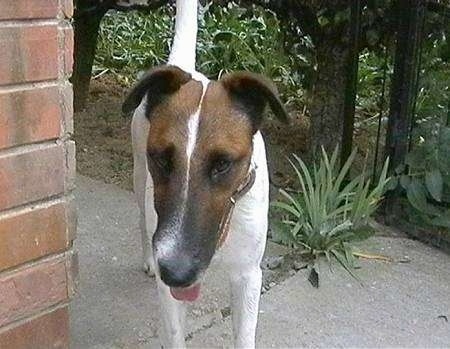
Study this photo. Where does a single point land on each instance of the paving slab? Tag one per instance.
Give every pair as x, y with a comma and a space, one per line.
399, 304
116, 305
404, 305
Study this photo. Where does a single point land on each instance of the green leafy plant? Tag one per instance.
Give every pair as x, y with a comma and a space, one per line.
426, 178
132, 41
370, 79
329, 212
234, 38
230, 38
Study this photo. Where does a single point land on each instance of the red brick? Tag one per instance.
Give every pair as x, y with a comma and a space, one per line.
31, 290
33, 175
32, 234
29, 53
49, 331
28, 116
22, 9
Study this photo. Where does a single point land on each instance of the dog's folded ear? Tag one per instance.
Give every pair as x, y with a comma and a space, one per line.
157, 84
252, 92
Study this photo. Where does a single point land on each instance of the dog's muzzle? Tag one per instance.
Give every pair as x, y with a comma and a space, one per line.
180, 272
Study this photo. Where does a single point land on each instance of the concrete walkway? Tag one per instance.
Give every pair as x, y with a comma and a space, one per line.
400, 304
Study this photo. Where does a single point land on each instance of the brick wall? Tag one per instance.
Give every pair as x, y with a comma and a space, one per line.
37, 215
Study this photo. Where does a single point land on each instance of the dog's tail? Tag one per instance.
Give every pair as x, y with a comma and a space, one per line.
182, 53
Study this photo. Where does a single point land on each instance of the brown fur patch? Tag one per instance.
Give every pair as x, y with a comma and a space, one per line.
222, 126
168, 136
192, 191
169, 119
224, 134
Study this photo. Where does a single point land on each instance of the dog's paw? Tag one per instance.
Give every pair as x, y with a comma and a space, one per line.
148, 269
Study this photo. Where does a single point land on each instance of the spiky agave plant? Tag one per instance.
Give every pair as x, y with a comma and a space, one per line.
329, 212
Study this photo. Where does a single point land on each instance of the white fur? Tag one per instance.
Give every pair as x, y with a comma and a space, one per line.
243, 250
193, 124
182, 53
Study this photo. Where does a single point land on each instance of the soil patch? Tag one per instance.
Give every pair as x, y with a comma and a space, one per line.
102, 135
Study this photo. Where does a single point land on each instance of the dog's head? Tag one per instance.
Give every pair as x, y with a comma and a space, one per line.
199, 150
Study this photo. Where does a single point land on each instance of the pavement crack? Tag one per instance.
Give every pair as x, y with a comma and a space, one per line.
207, 326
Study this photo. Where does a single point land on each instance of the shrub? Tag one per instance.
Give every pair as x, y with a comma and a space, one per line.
329, 213
427, 177
128, 42
230, 38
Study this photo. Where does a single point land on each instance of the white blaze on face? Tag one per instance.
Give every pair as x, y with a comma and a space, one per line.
168, 244
193, 123
192, 132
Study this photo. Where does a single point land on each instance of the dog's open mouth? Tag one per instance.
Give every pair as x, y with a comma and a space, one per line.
186, 294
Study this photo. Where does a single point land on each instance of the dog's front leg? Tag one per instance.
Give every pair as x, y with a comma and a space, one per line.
146, 246
143, 185
245, 294
173, 315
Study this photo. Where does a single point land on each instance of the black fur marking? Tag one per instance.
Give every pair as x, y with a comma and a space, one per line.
252, 92
157, 84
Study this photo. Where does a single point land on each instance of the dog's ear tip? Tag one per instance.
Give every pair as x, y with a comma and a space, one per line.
126, 114
127, 109
284, 117
161, 80
257, 89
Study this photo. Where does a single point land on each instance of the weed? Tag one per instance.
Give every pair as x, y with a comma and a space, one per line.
329, 213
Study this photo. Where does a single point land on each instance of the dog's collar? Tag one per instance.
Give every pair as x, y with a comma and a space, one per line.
243, 189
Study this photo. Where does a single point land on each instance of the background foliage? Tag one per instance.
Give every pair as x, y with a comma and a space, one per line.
230, 38
233, 37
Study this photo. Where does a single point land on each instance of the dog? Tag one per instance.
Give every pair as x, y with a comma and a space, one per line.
201, 180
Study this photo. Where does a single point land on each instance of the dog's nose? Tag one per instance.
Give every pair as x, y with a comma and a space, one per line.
177, 272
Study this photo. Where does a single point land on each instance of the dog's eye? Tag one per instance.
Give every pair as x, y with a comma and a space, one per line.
220, 167
162, 161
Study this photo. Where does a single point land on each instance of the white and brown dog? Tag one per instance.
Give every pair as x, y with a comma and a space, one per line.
201, 180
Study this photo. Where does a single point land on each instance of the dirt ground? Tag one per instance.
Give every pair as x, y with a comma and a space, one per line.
103, 139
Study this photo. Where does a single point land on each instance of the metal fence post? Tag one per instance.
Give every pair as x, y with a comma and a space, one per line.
403, 88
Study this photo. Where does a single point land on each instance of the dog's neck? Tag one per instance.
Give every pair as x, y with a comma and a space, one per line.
185, 40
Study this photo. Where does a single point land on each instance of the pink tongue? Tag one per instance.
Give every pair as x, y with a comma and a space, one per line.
187, 294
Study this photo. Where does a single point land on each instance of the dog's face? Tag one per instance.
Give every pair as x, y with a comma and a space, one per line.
199, 150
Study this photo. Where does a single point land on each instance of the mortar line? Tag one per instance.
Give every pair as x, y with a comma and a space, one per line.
37, 205
25, 319
59, 256
30, 85
10, 212
21, 149
29, 22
